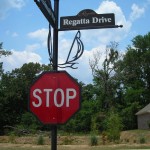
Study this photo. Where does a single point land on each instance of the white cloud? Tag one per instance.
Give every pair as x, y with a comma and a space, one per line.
31, 48
15, 34
98, 39
40, 35
18, 58
6, 5
16, 3
104, 36
12, 34
84, 72
137, 12
93, 40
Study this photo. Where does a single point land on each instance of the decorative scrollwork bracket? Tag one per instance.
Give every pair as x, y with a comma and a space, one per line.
70, 62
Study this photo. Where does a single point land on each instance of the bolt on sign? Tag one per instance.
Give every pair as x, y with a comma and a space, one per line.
54, 97
87, 19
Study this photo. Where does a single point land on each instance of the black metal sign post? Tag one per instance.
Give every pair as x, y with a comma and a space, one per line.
55, 67
46, 9
85, 19
52, 17
55, 36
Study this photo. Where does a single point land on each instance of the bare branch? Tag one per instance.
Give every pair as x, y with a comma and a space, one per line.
94, 61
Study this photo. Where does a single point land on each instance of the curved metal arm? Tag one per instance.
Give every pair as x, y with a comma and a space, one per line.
49, 46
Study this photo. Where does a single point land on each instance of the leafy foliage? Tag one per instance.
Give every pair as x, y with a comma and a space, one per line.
4, 52
40, 140
94, 140
113, 125
120, 88
14, 93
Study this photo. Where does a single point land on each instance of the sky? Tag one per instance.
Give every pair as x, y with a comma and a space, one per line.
24, 30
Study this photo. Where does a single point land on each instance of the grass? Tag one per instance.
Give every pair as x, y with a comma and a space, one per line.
70, 147
136, 136
40, 140
134, 139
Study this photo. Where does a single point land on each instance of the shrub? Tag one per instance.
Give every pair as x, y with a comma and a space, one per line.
134, 141
12, 138
94, 140
97, 122
113, 126
127, 140
29, 122
104, 138
67, 140
142, 140
40, 140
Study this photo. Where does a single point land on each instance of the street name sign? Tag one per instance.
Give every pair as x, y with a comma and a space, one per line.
54, 97
46, 9
87, 19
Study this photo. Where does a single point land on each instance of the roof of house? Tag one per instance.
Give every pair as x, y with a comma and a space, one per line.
145, 110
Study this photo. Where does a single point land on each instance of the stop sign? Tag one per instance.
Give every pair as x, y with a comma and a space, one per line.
54, 97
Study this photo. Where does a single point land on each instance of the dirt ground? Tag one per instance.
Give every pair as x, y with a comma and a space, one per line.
127, 137
9, 146
61, 140
71, 142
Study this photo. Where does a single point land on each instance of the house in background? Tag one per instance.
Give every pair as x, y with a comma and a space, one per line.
143, 118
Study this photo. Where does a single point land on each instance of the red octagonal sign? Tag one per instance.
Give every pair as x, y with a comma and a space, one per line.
54, 97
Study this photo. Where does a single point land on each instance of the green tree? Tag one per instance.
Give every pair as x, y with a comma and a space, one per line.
104, 79
113, 126
134, 72
14, 92
137, 68
3, 53
29, 122
81, 122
